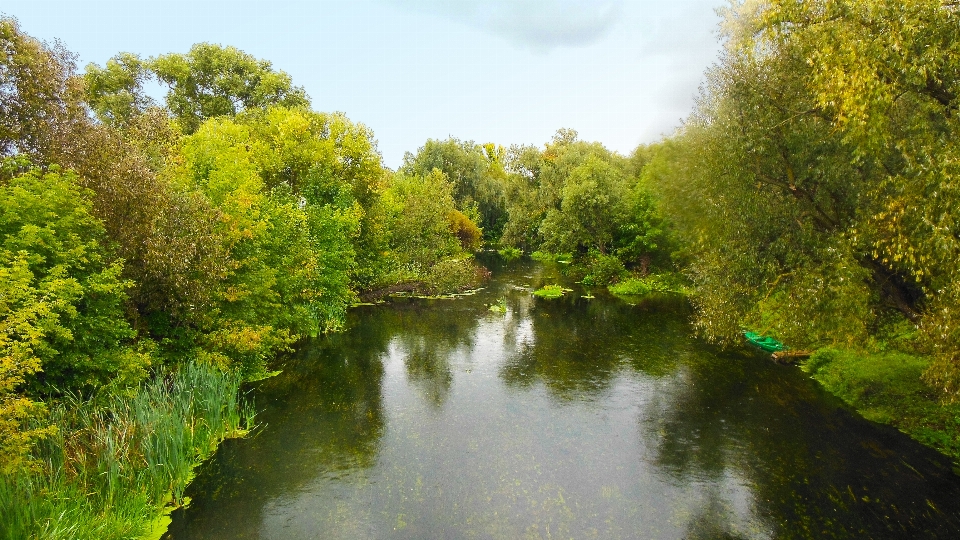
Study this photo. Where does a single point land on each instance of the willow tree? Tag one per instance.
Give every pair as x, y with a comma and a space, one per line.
817, 178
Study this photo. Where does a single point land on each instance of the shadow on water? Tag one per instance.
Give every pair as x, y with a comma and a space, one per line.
322, 415
815, 469
575, 417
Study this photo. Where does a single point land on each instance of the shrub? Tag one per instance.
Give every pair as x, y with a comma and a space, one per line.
470, 236
454, 275
550, 291
510, 253
639, 286
601, 269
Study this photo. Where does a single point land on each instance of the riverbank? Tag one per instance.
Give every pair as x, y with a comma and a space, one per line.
117, 462
887, 388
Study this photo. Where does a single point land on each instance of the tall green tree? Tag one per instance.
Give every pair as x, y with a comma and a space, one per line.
290, 186
476, 173
206, 82
815, 182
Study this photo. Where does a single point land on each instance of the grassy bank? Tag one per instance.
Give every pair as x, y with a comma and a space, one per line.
650, 283
116, 461
887, 388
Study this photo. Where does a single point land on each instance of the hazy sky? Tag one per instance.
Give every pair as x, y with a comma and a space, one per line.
621, 72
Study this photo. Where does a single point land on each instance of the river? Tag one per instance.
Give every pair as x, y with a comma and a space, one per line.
568, 418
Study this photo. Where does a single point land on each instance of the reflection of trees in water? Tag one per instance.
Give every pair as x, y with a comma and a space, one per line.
712, 519
430, 374
323, 416
428, 334
813, 469
578, 346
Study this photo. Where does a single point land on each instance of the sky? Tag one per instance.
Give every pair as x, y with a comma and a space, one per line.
621, 72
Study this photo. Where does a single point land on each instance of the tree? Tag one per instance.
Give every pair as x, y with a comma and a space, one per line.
208, 81
288, 183
211, 81
476, 173
420, 233
63, 298
815, 181
40, 98
115, 92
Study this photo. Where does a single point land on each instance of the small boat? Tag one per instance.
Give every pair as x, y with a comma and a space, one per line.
766, 343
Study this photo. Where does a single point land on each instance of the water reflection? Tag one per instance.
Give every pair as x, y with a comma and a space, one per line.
322, 418
584, 418
814, 469
577, 346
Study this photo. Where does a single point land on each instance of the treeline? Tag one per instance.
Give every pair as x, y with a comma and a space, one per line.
571, 200
814, 192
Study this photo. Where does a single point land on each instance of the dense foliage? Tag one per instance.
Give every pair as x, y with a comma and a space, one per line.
570, 197
815, 187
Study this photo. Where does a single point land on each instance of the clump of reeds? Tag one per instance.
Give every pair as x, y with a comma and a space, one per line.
119, 458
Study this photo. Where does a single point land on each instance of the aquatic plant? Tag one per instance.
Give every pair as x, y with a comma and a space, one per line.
500, 306
651, 283
117, 460
510, 253
550, 291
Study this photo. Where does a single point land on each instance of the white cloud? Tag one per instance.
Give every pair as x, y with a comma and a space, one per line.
539, 24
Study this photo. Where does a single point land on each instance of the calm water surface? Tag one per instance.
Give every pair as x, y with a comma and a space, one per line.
570, 418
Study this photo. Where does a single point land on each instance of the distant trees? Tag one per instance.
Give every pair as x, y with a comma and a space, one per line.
476, 173
570, 197
580, 198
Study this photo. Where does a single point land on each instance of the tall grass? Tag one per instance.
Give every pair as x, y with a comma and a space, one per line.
887, 387
117, 460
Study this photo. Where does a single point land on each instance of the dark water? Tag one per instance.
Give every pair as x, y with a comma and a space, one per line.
570, 418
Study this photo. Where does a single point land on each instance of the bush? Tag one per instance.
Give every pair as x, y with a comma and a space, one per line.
454, 275
632, 287
470, 236
601, 269
640, 286
510, 253
550, 291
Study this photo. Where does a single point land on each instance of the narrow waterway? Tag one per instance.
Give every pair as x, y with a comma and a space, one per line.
568, 418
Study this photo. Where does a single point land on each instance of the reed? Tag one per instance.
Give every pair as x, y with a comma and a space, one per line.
119, 458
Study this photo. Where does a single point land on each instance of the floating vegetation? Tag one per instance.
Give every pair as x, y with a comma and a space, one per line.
450, 296
500, 306
651, 283
551, 291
